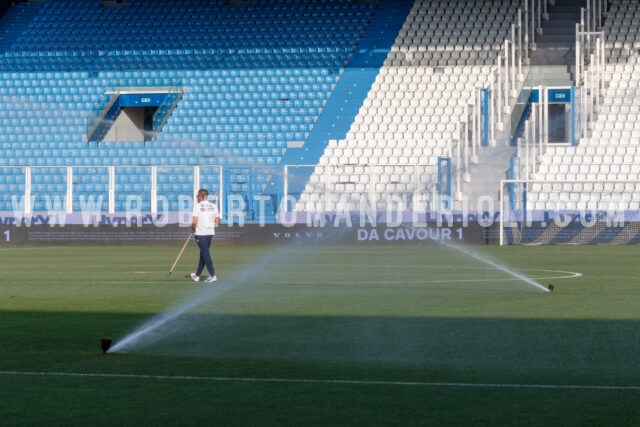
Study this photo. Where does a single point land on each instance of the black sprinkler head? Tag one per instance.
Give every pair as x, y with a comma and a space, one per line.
106, 345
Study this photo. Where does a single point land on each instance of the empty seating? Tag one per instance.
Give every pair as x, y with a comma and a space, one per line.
417, 101
606, 158
252, 99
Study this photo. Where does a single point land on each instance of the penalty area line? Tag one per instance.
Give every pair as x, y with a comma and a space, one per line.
329, 382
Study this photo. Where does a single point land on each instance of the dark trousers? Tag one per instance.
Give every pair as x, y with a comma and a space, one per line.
204, 243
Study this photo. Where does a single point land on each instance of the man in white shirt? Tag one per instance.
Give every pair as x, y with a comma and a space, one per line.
205, 218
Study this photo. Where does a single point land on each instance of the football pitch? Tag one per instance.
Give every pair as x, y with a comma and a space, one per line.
321, 335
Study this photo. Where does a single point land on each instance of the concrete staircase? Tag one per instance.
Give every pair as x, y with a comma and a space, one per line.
551, 64
553, 58
485, 176
549, 76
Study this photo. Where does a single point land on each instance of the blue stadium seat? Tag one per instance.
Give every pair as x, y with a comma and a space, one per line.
251, 80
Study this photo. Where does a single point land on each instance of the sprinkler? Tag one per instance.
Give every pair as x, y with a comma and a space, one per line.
551, 287
106, 345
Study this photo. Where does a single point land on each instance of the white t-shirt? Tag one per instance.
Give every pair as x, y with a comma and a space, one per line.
207, 213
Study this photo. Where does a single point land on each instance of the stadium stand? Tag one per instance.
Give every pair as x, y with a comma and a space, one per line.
251, 84
601, 173
443, 52
369, 96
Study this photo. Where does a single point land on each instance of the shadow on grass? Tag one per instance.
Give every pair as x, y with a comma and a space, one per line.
473, 350
429, 349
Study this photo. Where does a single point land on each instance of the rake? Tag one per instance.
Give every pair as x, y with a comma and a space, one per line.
180, 254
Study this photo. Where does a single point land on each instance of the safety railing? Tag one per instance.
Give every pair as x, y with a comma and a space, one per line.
351, 187
107, 189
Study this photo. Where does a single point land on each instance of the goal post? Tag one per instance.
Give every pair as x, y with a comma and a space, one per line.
536, 212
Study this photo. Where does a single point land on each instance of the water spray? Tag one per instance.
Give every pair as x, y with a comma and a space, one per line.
161, 325
148, 332
499, 267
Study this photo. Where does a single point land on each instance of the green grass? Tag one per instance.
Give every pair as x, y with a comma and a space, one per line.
347, 335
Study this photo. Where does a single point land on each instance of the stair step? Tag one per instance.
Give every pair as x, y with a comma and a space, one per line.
555, 45
555, 40
561, 23
492, 167
564, 29
549, 75
564, 15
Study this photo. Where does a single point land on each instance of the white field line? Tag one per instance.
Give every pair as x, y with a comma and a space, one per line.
559, 275
329, 382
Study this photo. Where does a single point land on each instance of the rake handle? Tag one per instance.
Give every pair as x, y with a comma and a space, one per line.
181, 251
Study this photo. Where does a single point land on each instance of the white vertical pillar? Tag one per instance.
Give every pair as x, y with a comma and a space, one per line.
465, 146
492, 117
477, 117
502, 211
536, 136
588, 93
587, 98
525, 20
525, 148
499, 124
154, 189
222, 193
602, 61
27, 190
578, 54
69, 201
592, 87
594, 77
513, 61
459, 162
285, 178
196, 180
532, 143
196, 184
506, 76
583, 107
539, 125
521, 54
545, 115
473, 103
541, 117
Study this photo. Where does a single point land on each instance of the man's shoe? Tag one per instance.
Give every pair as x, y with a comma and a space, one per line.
211, 279
195, 278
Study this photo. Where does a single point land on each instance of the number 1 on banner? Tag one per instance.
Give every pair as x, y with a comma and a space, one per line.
7, 235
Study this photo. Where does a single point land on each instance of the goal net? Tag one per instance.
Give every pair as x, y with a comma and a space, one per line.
569, 212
